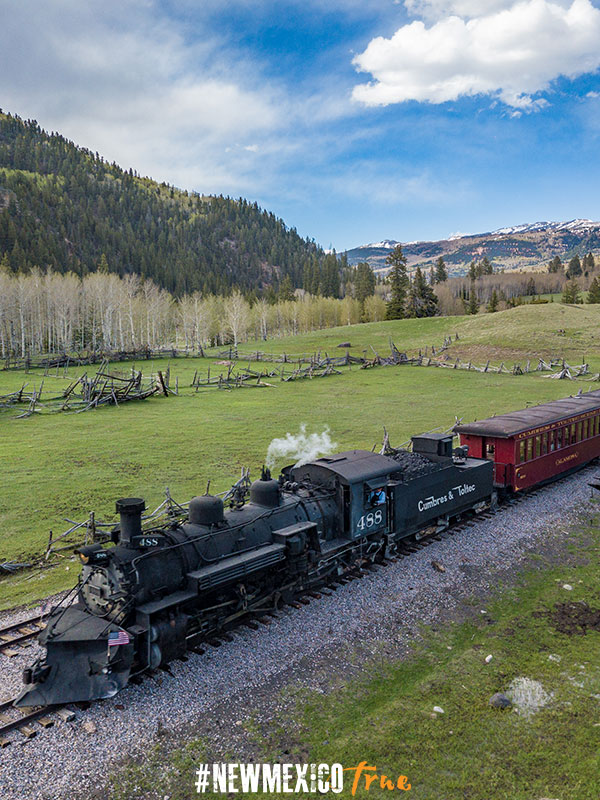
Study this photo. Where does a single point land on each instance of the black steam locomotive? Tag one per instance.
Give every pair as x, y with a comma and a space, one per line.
161, 591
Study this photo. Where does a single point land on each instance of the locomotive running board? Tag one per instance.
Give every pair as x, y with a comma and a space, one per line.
235, 568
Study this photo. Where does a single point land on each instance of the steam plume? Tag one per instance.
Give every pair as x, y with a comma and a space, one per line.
303, 447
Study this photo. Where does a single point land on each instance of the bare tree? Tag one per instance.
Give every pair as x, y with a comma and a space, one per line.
237, 315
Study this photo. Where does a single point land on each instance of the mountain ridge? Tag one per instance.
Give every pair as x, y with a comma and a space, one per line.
63, 207
524, 246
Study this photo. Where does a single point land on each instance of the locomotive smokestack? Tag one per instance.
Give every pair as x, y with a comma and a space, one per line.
130, 512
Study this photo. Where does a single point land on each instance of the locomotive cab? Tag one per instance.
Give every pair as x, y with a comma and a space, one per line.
363, 483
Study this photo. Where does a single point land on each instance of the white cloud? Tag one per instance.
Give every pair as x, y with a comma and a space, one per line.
122, 79
513, 52
436, 9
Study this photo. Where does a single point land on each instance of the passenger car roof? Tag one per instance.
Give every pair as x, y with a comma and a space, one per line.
507, 425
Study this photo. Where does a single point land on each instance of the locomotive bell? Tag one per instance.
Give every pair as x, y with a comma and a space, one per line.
130, 513
265, 493
206, 510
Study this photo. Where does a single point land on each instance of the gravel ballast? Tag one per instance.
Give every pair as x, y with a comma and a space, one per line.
382, 612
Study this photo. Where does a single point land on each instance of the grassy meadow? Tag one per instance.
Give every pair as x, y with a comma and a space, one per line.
66, 464
523, 332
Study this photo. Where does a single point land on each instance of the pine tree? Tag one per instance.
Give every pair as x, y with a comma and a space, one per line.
571, 293
315, 287
427, 296
473, 271
364, 281
17, 259
421, 300
286, 290
330, 276
486, 266
441, 273
472, 306
530, 289
307, 276
594, 292
555, 265
574, 269
492, 305
398, 281
103, 265
5, 264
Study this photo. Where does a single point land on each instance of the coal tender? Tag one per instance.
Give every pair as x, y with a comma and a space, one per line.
159, 592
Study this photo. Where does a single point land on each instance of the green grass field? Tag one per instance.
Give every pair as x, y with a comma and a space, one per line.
59, 465
525, 331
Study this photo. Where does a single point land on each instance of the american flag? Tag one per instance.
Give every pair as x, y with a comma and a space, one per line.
118, 637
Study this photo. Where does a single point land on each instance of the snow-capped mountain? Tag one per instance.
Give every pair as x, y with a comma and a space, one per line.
528, 245
386, 244
572, 225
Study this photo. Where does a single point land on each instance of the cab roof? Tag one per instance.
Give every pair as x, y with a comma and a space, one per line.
355, 465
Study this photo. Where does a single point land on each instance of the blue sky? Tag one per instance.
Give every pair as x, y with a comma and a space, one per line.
354, 120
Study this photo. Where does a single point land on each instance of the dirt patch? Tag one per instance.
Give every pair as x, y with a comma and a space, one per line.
574, 618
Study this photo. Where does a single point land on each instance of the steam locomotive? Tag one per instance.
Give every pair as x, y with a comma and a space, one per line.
161, 591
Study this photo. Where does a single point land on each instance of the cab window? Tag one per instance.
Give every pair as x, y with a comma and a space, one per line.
375, 497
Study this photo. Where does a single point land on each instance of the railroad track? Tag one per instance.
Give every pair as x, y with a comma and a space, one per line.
28, 722
13, 637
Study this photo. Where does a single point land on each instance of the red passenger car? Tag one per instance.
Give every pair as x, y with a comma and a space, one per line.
537, 444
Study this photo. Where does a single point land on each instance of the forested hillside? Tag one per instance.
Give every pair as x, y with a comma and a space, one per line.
62, 207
